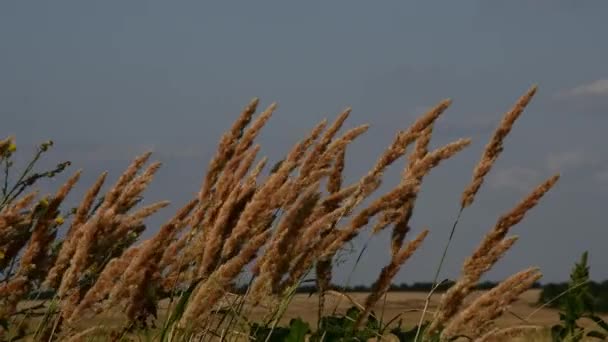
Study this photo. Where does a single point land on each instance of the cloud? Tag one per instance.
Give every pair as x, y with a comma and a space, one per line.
588, 98
561, 161
515, 178
595, 88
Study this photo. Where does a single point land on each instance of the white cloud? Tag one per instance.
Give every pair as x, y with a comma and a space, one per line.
595, 88
515, 178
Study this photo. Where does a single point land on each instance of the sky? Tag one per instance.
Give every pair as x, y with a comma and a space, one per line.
108, 80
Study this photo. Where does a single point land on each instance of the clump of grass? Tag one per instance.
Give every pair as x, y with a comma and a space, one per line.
279, 224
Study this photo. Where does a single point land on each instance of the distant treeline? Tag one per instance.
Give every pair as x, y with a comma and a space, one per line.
404, 287
598, 291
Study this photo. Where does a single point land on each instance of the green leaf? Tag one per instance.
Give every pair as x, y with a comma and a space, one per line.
297, 330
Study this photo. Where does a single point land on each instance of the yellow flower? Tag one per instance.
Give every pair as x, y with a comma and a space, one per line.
59, 220
44, 202
12, 147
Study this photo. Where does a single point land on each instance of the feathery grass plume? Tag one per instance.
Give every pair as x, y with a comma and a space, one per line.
474, 268
231, 175
495, 147
14, 234
96, 232
421, 149
143, 268
337, 238
489, 156
13, 213
334, 182
513, 217
398, 195
491, 248
275, 261
259, 210
371, 181
323, 268
307, 248
32, 261
218, 231
333, 201
73, 234
476, 318
254, 129
236, 148
246, 164
401, 215
41, 237
210, 291
432, 159
106, 281
290, 189
405, 138
226, 149
324, 160
194, 243
138, 216
310, 161
127, 176
21, 203
387, 274
130, 196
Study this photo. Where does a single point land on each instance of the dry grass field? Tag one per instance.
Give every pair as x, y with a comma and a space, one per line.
399, 306
408, 305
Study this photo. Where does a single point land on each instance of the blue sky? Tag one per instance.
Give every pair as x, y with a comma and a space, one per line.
108, 80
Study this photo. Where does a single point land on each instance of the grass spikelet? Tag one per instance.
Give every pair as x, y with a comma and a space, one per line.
310, 160
405, 138
494, 148
127, 176
491, 248
41, 234
214, 238
387, 274
486, 308
210, 291
339, 144
107, 281
275, 261
254, 129
334, 182
73, 234
226, 149
513, 217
